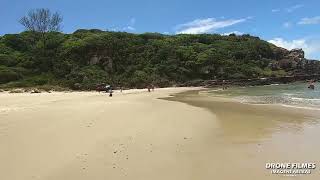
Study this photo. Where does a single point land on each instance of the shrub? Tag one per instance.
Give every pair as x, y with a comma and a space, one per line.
7, 75
87, 77
8, 60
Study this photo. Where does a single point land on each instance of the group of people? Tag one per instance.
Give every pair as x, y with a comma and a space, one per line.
109, 89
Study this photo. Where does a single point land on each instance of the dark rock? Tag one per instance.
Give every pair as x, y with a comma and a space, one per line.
77, 86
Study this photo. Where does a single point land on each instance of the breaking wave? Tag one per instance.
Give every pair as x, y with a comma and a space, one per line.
290, 95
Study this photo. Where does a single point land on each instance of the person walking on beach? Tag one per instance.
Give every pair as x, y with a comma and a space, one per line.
107, 88
110, 91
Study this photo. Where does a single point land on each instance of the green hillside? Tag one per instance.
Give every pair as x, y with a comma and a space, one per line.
89, 57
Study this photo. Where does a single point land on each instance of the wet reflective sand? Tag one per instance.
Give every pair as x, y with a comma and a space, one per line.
248, 136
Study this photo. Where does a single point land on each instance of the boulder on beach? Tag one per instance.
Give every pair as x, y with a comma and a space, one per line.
17, 91
27, 90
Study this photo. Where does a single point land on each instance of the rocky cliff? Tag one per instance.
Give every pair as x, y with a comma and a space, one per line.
294, 62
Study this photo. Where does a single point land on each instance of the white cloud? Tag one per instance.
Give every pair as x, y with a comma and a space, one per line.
207, 25
233, 32
307, 21
293, 8
130, 28
130, 25
289, 9
112, 29
300, 43
287, 24
310, 46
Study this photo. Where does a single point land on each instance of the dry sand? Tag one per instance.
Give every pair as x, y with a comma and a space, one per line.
134, 135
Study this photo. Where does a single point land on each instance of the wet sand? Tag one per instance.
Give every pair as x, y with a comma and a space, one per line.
252, 135
139, 135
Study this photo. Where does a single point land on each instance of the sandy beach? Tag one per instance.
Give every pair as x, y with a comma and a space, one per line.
138, 135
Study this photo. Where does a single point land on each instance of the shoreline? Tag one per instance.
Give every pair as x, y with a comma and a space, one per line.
192, 97
201, 92
181, 91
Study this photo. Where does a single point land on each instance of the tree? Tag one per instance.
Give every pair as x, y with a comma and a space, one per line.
42, 21
43, 26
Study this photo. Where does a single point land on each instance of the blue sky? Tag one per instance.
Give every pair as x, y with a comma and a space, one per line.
287, 23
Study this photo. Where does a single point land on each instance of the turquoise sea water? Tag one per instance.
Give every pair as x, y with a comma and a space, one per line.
295, 94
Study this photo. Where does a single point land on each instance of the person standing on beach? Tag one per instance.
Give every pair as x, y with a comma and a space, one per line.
223, 85
311, 85
110, 91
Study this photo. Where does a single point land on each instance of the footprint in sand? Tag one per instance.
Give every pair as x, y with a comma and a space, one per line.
83, 160
90, 124
119, 153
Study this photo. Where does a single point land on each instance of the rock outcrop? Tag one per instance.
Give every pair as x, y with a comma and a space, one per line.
295, 54
294, 62
105, 61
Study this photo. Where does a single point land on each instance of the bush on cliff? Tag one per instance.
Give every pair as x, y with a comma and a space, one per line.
90, 57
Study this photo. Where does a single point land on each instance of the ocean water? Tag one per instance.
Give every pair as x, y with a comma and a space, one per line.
295, 94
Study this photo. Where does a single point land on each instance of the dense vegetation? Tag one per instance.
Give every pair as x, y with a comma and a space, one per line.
88, 57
